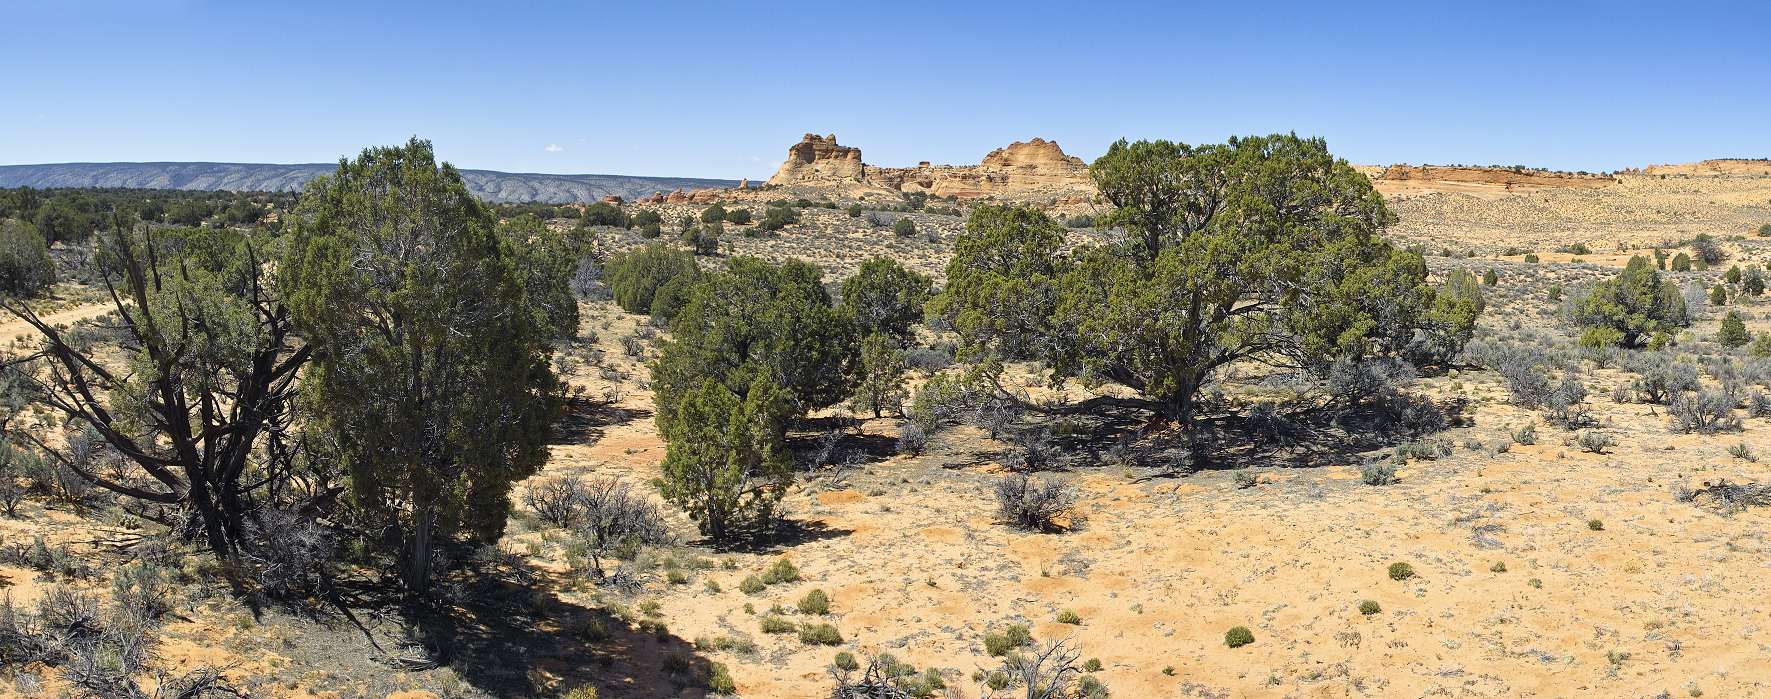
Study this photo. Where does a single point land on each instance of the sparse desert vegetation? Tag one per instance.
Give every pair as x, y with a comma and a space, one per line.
860, 445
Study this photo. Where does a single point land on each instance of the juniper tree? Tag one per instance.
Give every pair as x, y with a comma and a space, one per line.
26, 269
431, 367
635, 276
725, 461
1262, 248
1633, 305
884, 297
1733, 332
757, 319
881, 384
200, 407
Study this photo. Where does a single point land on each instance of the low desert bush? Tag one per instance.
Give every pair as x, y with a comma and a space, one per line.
1033, 504
1401, 571
782, 571
1238, 636
819, 634
815, 602
1706, 412
998, 643
1596, 442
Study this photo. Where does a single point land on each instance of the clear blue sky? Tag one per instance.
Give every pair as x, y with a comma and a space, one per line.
720, 90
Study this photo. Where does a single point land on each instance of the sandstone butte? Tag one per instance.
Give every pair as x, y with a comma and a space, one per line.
1039, 171
1034, 169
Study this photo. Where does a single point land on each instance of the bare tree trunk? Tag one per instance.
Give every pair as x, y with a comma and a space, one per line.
418, 568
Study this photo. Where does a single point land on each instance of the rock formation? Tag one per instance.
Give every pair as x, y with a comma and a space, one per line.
1036, 169
1398, 181
817, 158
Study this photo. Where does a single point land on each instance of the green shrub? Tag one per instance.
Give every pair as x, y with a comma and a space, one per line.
1377, 474
782, 571
846, 660
1369, 607
1733, 332
1595, 525
998, 643
719, 680
26, 269
738, 216
1401, 571
1238, 637
815, 602
603, 213
750, 585
775, 624
904, 227
1498, 567
1093, 665
1069, 617
635, 277
819, 634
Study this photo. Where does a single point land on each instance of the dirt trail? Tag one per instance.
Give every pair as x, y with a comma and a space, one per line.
13, 329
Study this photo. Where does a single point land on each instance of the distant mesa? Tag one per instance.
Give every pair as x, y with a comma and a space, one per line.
1407, 180
1501, 176
1750, 167
252, 177
1035, 169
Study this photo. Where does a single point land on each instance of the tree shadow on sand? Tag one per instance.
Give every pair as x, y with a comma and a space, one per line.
584, 420
503, 629
1260, 435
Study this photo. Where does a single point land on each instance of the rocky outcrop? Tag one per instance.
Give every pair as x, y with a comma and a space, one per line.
819, 158
1035, 169
1409, 180
1711, 168
1035, 156
1514, 177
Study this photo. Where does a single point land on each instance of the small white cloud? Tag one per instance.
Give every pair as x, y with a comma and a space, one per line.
553, 148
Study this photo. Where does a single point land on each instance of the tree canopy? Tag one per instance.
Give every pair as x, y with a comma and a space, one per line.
884, 297
430, 362
754, 320
1262, 248
1632, 306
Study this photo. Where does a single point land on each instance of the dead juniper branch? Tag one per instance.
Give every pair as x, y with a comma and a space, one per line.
613, 515
1050, 671
879, 680
1727, 498
559, 502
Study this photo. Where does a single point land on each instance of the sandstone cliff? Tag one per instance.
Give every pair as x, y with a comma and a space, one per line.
1406, 180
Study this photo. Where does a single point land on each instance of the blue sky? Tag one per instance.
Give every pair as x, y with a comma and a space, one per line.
721, 89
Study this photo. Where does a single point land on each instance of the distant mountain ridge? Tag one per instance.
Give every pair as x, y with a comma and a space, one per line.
260, 177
